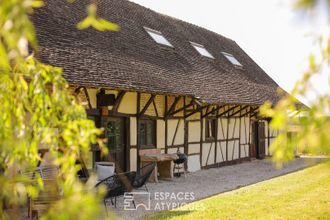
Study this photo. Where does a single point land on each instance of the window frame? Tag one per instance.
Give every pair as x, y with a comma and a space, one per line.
152, 31
94, 115
228, 56
154, 134
211, 133
196, 45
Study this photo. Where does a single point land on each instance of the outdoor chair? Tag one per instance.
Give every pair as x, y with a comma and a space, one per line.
117, 185
50, 192
143, 175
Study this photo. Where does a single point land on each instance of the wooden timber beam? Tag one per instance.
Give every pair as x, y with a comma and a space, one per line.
151, 99
168, 113
198, 103
241, 109
155, 107
207, 109
225, 112
181, 109
200, 108
77, 91
215, 109
254, 113
118, 100
247, 113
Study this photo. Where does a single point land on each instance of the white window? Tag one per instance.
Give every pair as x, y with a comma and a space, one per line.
232, 59
158, 37
201, 50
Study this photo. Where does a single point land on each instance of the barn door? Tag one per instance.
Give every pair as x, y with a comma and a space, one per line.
262, 140
258, 140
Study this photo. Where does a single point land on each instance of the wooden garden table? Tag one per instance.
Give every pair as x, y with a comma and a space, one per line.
164, 165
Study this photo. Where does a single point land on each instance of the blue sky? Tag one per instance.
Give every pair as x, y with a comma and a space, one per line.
269, 31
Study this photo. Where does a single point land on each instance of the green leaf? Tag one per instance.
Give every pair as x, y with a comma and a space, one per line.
37, 4
91, 10
108, 25
305, 4
4, 63
86, 23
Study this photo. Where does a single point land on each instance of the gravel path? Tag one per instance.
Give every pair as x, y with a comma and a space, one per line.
201, 184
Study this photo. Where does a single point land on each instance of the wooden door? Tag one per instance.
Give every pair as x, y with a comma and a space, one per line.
114, 130
254, 142
258, 140
261, 140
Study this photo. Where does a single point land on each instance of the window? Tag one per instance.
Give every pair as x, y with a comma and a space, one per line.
201, 50
147, 133
158, 37
210, 128
232, 59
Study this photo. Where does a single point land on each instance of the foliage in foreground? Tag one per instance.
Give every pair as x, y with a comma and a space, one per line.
310, 126
285, 197
37, 111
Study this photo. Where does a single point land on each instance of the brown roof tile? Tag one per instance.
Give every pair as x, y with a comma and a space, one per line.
130, 59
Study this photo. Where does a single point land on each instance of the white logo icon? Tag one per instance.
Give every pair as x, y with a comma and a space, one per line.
134, 200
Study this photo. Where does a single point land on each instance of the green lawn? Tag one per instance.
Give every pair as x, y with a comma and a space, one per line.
301, 195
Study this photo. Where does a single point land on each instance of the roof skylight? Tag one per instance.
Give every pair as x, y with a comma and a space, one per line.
201, 50
158, 37
232, 59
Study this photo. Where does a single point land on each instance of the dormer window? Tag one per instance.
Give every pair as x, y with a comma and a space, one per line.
158, 37
232, 59
201, 50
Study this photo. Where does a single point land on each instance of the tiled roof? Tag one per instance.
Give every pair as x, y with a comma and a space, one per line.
130, 59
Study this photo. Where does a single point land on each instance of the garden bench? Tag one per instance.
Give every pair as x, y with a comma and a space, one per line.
49, 193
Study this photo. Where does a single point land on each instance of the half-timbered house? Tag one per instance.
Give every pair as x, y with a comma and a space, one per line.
159, 83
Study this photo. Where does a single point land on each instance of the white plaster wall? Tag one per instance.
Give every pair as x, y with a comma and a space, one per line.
174, 150
222, 128
233, 128
194, 134
128, 104
230, 150
193, 148
92, 96
133, 134
245, 129
133, 160
193, 163
221, 151
236, 150
236, 130
247, 150
160, 134
244, 150
208, 148
179, 105
210, 161
194, 116
179, 139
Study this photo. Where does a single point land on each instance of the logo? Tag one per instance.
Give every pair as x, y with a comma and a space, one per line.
160, 201
134, 200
